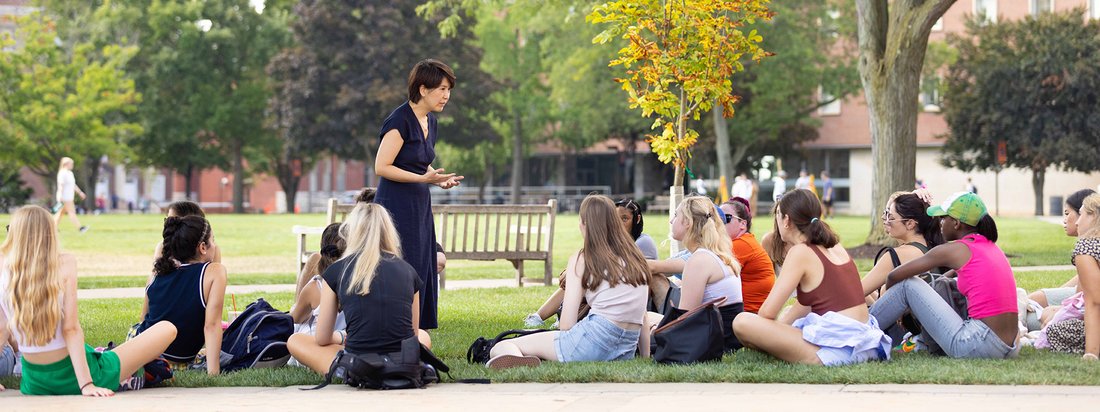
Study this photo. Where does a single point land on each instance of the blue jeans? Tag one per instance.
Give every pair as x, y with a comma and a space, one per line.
595, 338
959, 338
7, 360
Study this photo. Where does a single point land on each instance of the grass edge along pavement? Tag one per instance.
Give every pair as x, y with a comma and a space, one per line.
467, 314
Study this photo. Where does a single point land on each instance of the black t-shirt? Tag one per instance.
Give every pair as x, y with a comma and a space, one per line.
380, 320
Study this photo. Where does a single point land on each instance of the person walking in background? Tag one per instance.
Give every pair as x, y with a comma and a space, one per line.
404, 163
827, 194
742, 187
780, 187
66, 193
970, 186
803, 181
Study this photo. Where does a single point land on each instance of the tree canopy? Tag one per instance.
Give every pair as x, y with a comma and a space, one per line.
1033, 84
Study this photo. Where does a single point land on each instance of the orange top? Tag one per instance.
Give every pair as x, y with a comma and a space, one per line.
757, 271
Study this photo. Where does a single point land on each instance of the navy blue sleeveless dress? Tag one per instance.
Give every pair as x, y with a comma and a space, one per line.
410, 204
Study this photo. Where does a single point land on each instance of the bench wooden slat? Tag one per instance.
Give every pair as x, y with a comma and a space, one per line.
497, 255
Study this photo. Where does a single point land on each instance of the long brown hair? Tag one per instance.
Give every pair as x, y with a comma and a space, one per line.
609, 253
32, 256
803, 209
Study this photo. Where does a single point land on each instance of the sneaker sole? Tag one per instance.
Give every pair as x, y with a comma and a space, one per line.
512, 361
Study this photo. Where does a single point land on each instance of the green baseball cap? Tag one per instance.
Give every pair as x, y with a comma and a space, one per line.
965, 206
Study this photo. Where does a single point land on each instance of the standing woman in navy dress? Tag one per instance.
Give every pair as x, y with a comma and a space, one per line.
404, 163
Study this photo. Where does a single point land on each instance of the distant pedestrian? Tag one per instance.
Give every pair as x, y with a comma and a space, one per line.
827, 193
66, 193
780, 181
970, 186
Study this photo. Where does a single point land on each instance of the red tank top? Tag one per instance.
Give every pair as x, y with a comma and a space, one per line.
840, 287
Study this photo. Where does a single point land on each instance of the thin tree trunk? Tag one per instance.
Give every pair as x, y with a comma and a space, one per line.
1038, 180
722, 137
92, 165
517, 155
238, 178
188, 180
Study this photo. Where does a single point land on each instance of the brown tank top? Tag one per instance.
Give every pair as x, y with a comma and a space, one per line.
840, 287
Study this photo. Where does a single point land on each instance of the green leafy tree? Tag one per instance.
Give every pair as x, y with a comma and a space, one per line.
780, 94
893, 38
1033, 84
679, 62
13, 192
61, 100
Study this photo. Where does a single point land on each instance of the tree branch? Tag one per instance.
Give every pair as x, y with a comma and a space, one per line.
872, 17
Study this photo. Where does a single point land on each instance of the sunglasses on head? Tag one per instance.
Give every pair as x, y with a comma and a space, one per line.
628, 204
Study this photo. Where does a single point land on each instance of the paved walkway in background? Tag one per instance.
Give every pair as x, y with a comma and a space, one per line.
243, 289
603, 397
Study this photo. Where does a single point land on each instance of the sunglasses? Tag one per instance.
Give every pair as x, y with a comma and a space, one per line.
628, 204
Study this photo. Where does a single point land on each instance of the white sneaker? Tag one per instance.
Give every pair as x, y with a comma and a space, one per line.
533, 321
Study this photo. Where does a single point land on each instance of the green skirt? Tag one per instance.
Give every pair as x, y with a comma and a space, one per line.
58, 378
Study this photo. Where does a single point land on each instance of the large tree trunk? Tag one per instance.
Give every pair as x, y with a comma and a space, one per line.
722, 143
517, 155
290, 177
892, 43
188, 180
92, 165
1038, 179
238, 178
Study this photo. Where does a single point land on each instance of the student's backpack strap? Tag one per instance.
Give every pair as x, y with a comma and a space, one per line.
918, 245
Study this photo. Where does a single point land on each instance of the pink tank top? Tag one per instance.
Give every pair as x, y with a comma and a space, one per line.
986, 280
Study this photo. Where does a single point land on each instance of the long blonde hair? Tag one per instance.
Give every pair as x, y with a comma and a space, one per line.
1091, 205
609, 252
368, 231
707, 230
32, 258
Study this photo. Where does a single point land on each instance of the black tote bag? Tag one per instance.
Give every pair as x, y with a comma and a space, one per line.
690, 336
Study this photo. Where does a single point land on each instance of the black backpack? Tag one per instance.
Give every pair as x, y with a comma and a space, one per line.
257, 338
415, 366
479, 350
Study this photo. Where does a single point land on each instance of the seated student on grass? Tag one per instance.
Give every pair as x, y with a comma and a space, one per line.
773, 243
984, 277
367, 196
757, 270
838, 330
1071, 211
308, 289
610, 273
377, 291
712, 271
38, 306
630, 215
180, 209
188, 289
1070, 330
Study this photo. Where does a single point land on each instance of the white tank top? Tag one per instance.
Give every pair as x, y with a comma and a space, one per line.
728, 287
622, 303
58, 341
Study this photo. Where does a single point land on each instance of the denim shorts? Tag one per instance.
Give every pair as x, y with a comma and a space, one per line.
595, 338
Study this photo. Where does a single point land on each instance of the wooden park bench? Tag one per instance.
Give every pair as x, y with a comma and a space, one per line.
658, 204
515, 233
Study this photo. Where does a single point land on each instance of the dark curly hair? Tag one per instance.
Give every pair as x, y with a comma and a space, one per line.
181, 238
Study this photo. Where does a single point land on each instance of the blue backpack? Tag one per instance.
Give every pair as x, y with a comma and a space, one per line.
257, 338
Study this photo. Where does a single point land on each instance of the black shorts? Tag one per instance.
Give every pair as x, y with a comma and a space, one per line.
828, 203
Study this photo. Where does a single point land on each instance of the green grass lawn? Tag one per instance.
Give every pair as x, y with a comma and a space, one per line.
467, 314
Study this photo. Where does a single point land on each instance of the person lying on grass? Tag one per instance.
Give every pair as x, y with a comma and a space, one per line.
307, 292
630, 215
984, 277
188, 289
610, 273
376, 290
38, 306
712, 272
838, 329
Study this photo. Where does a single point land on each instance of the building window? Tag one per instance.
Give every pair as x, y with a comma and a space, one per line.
830, 106
931, 97
939, 25
1094, 9
1041, 6
987, 9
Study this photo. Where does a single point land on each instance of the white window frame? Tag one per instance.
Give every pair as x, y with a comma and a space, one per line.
990, 8
1034, 6
831, 109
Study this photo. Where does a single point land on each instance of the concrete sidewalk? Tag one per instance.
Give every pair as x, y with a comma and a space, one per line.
604, 397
